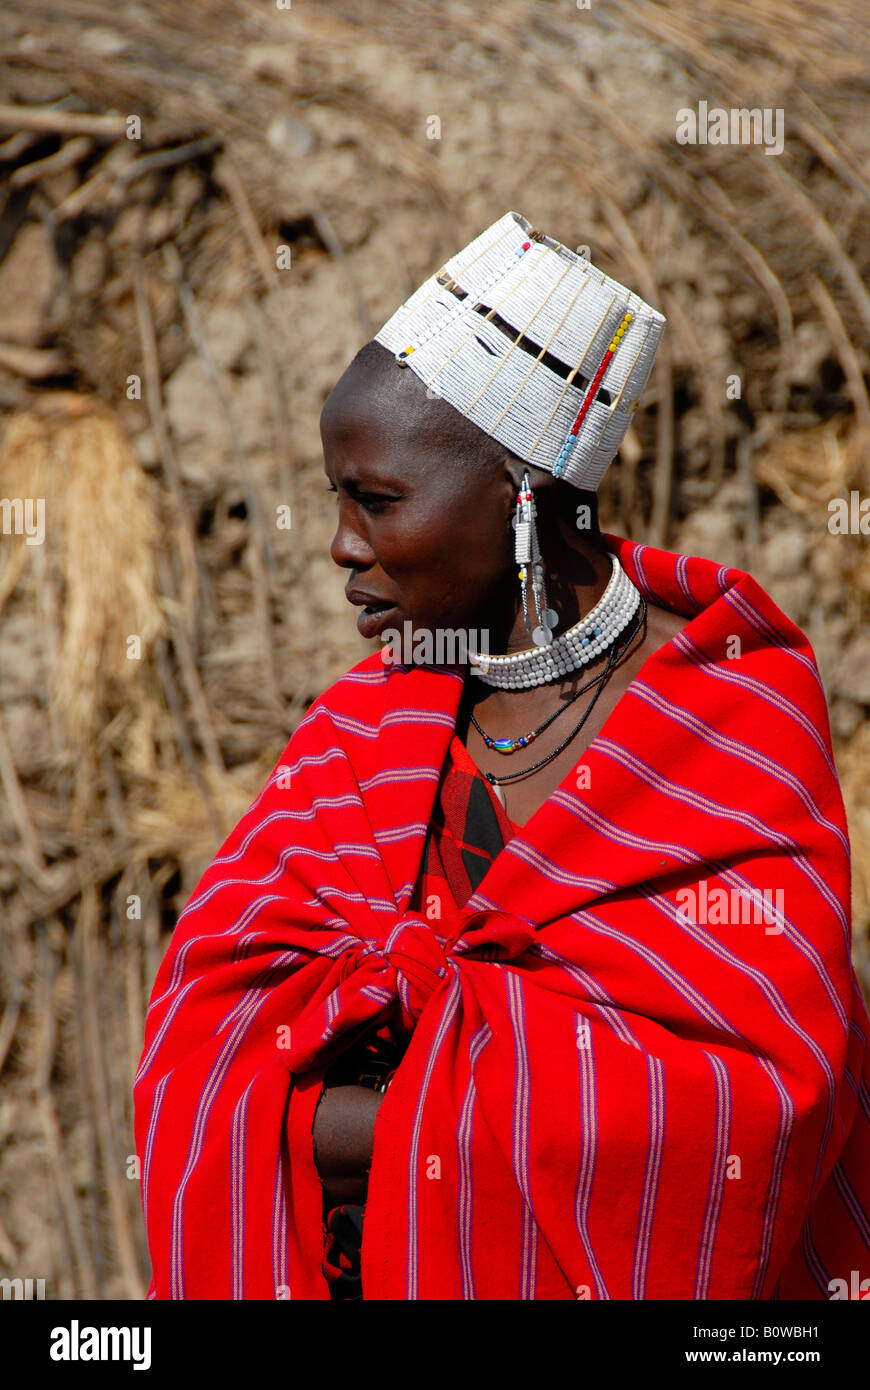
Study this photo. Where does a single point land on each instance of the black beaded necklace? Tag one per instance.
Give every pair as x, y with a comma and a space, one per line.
513, 745
620, 648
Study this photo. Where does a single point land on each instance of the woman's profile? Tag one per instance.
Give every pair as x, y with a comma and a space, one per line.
527, 974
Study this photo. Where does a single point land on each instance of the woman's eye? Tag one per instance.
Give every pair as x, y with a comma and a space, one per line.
371, 501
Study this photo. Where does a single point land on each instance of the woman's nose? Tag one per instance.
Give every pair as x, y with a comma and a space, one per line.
349, 549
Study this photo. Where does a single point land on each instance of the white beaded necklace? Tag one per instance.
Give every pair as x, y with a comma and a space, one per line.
574, 648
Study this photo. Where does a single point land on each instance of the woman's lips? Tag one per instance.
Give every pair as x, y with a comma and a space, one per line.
373, 620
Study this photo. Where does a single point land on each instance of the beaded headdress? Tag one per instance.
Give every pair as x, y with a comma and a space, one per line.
534, 345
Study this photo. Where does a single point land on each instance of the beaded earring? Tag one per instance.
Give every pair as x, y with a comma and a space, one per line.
527, 553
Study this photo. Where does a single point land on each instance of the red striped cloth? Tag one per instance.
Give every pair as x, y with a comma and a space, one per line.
601, 1098
467, 830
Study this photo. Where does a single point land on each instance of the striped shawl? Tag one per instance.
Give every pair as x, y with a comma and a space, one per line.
609, 1092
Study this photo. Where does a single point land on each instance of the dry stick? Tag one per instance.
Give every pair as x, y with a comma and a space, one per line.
665, 31
753, 513
697, 353
827, 238
165, 159
49, 120
291, 708
9, 1021
684, 189
704, 62
60, 1165
36, 866
176, 711
99, 862
839, 164
114, 801
845, 350
18, 807
78, 202
155, 85
151, 923
184, 627
791, 42
627, 138
33, 363
192, 682
328, 236
78, 1254
17, 145
67, 156
262, 563
46, 935
11, 573
281, 427
93, 1222
8, 1248
663, 478
227, 175
181, 735
125, 1043
134, 1012
187, 588
191, 317
88, 970
49, 605
120, 1067
763, 274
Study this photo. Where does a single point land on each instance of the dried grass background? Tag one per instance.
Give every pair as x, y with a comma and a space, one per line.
158, 649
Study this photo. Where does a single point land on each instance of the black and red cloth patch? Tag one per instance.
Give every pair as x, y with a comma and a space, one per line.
469, 828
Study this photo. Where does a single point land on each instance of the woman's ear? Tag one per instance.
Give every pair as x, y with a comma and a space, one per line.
514, 469
511, 479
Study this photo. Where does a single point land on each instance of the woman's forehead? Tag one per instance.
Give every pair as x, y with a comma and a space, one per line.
381, 416
387, 409
367, 429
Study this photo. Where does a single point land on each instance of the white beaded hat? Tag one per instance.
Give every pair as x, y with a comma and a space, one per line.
534, 345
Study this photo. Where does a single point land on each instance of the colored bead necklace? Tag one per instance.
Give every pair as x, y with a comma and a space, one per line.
512, 745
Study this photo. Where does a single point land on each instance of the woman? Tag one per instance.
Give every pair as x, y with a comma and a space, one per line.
532, 965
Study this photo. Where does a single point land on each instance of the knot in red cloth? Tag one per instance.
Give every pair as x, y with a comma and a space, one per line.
409, 966
419, 960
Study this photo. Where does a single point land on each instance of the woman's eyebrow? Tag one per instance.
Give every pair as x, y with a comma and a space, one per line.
356, 483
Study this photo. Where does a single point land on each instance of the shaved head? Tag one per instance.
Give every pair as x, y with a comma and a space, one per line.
398, 391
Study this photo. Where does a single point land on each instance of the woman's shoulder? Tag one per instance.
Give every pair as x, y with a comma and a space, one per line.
664, 623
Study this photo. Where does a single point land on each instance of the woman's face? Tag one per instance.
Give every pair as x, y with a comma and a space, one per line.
423, 523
